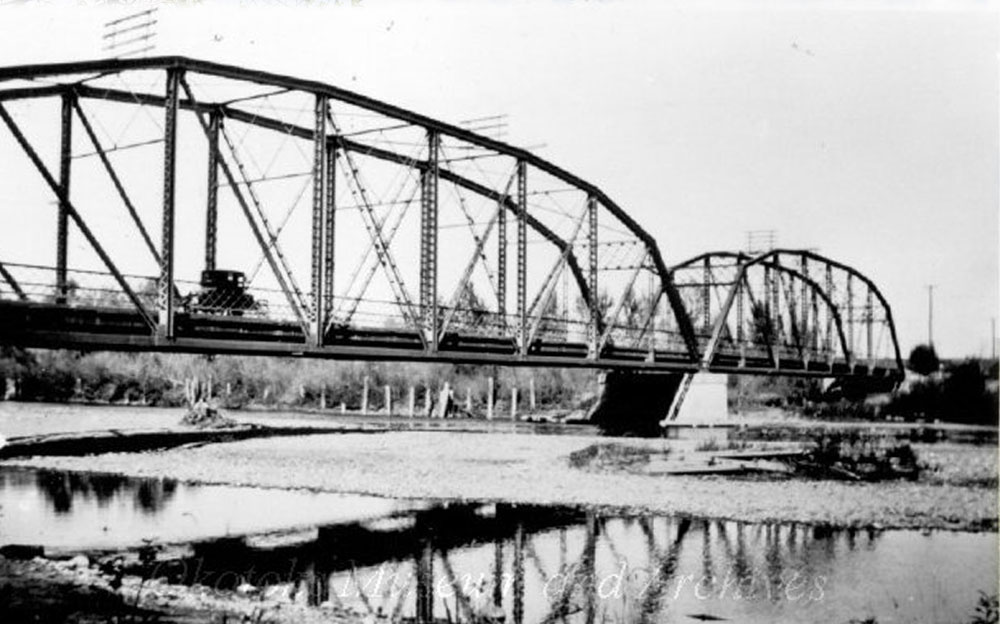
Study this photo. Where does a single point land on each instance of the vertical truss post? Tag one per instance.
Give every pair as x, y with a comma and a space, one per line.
770, 325
329, 235
593, 333
740, 337
318, 217
706, 296
166, 301
502, 262
804, 333
522, 257
779, 325
814, 341
828, 338
850, 320
429, 241
654, 305
62, 226
212, 205
869, 337
767, 294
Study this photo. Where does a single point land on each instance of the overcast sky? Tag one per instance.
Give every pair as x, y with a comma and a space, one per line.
867, 131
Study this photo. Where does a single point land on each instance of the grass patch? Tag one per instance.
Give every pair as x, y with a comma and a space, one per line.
860, 456
713, 444
611, 455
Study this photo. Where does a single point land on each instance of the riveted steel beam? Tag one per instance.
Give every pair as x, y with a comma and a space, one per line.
593, 302
522, 257
62, 224
319, 207
166, 301
429, 242
329, 236
212, 202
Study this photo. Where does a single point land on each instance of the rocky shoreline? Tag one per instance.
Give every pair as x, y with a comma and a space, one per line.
957, 492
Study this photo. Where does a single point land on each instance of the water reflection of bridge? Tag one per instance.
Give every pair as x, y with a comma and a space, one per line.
537, 564
471, 562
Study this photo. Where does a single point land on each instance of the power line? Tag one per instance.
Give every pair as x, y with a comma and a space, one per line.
131, 35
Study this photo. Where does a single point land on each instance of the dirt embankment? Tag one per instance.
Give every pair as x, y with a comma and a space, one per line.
75, 590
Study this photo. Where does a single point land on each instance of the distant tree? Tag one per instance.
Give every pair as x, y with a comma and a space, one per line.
924, 360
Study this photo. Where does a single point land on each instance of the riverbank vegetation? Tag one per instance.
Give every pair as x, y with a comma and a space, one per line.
957, 391
238, 382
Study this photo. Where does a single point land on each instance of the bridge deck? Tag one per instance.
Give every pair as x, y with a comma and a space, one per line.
59, 326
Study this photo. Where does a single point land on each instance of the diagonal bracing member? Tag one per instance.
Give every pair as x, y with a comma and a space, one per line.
57, 189
548, 289
245, 207
272, 236
477, 255
403, 299
390, 230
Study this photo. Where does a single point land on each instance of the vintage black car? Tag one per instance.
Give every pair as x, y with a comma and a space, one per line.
223, 292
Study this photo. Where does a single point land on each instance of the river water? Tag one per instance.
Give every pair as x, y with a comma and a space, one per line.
532, 564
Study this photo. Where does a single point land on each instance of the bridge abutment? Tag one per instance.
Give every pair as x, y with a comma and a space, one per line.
633, 403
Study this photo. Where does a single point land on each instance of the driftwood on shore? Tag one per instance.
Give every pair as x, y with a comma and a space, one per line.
201, 410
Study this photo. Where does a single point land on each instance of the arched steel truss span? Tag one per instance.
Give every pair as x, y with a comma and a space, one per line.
294, 217
787, 308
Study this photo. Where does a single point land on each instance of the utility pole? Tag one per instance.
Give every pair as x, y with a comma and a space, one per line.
930, 315
993, 338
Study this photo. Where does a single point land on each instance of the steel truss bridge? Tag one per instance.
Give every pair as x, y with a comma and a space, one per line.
366, 231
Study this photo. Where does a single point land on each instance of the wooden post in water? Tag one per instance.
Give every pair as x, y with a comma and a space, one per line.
468, 401
322, 397
343, 408
364, 396
413, 401
388, 400
531, 393
490, 394
513, 403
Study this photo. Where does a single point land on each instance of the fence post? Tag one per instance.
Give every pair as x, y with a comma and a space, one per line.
531, 393
427, 402
444, 400
513, 403
364, 396
388, 400
489, 398
413, 401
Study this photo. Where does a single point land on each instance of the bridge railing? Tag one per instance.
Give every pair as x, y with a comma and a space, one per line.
32, 283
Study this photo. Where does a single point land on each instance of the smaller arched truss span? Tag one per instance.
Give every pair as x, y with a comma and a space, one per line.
787, 310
